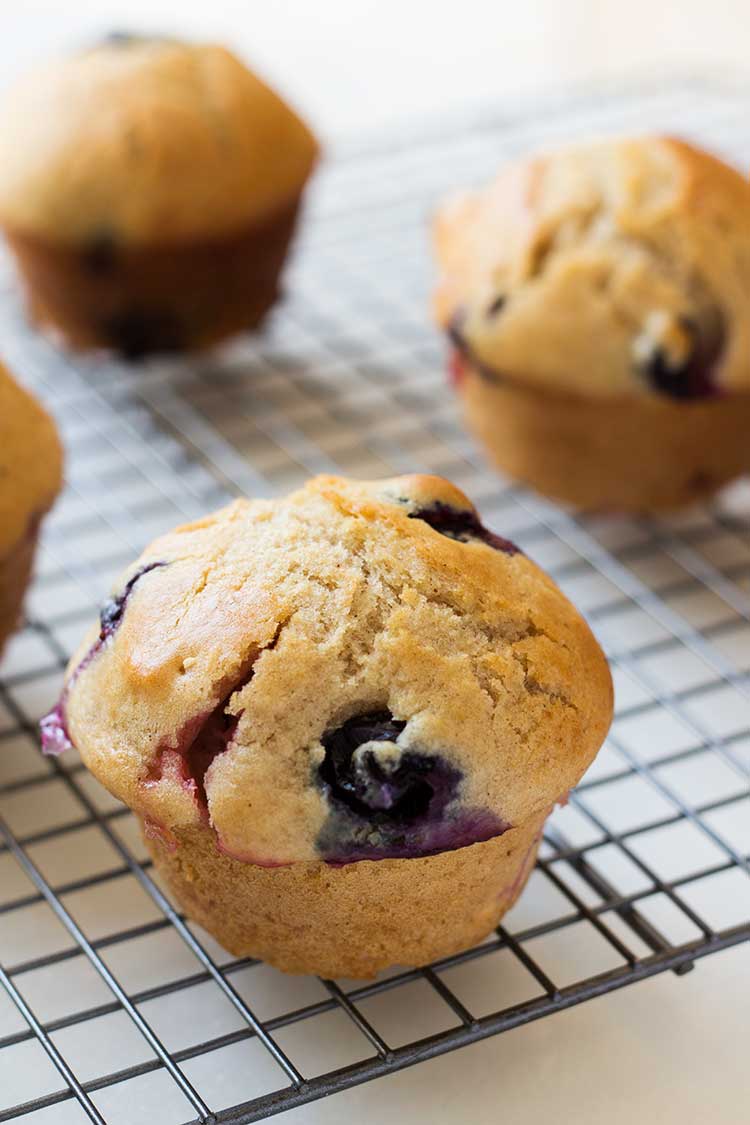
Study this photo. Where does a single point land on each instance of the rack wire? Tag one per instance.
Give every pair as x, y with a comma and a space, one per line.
114, 1008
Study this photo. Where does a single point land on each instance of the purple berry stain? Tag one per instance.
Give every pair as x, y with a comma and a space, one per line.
388, 803
111, 612
55, 737
462, 352
463, 525
694, 378
186, 758
54, 731
199, 743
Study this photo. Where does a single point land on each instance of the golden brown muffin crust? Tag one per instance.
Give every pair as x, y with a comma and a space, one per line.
150, 141
353, 920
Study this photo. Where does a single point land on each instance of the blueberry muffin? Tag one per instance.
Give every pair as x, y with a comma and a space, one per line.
342, 719
596, 303
30, 474
149, 190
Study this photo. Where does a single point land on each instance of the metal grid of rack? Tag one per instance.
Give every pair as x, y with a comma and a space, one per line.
112, 1000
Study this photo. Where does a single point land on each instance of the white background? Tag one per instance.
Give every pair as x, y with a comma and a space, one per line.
355, 64
671, 1051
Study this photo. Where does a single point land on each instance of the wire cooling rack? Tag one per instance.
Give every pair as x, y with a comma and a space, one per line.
116, 1010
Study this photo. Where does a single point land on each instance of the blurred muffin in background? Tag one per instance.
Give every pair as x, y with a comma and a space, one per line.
30, 476
149, 190
596, 300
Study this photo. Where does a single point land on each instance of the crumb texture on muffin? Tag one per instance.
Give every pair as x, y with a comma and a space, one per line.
146, 141
611, 269
353, 920
356, 672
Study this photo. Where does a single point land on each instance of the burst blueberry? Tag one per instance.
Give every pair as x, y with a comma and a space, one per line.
692, 376
55, 737
392, 803
463, 525
399, 786
456, 331
111, 612
686, 381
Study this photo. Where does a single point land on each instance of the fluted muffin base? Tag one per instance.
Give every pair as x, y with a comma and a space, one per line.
349, 921
638, 454
166, 298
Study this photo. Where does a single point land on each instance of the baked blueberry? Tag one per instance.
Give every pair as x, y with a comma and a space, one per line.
688, 373
366, 770
464, 525
390, 802
359, 781
455, 329
676, 382
456, 332
123, 39
137, 332
111, 612
120, 38
100, 253
53, 727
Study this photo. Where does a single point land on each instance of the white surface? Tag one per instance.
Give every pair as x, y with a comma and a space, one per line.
355, 64
666, 1052
669, 1051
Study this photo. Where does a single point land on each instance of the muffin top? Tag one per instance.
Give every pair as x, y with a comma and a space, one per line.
615, 268
30, 462
357, 671
147, 140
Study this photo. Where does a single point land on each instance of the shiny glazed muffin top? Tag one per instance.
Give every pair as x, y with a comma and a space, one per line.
147, 141
355, 671
614, 268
